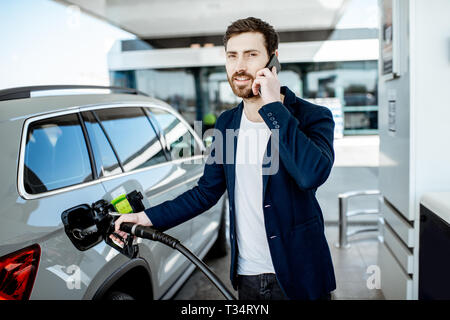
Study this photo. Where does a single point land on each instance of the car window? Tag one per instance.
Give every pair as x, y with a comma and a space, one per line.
179, 139
132, 136
56, 155
105, 159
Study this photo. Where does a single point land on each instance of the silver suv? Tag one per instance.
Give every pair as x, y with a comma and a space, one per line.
63, 146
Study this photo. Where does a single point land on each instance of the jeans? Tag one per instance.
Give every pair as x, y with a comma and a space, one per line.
259, 287
263, 287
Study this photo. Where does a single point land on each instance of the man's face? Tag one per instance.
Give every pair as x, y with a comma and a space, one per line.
245, 55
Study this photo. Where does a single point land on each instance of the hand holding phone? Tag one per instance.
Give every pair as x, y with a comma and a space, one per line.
268, 79
273, 62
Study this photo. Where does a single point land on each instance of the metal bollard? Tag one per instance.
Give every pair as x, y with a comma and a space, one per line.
344, 215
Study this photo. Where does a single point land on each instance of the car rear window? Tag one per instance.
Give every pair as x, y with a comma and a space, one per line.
180, 141
105, 158
56, 155
132, 136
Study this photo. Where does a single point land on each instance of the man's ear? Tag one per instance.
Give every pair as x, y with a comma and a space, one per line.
276, 52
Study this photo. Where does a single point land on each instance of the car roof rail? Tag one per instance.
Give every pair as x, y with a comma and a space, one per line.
28, 92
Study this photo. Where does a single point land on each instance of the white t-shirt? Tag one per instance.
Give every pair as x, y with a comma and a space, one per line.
254, 255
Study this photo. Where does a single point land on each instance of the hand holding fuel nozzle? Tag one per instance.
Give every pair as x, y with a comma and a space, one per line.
87, 225
139, 218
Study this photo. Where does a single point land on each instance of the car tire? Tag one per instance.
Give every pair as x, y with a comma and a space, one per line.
117, 295
220, 247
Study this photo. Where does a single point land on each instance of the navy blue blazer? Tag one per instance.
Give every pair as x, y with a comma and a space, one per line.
293, 218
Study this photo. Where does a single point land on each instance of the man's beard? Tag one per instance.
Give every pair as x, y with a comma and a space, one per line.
242, 92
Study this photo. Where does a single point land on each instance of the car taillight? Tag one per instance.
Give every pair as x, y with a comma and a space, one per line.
17, 273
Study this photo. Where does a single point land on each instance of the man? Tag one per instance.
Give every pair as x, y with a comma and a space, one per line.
278, 246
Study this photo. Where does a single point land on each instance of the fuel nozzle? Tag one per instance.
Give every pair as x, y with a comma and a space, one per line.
123, 204
87, 225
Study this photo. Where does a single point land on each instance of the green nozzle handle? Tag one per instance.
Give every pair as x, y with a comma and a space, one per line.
121, 204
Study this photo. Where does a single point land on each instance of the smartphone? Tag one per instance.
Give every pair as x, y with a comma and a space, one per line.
273, 62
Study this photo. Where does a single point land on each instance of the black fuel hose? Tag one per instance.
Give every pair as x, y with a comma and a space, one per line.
155, 235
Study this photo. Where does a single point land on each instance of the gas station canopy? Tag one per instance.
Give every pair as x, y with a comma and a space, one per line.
178, 18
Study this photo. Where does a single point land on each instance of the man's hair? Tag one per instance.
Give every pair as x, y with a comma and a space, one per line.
252, 24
